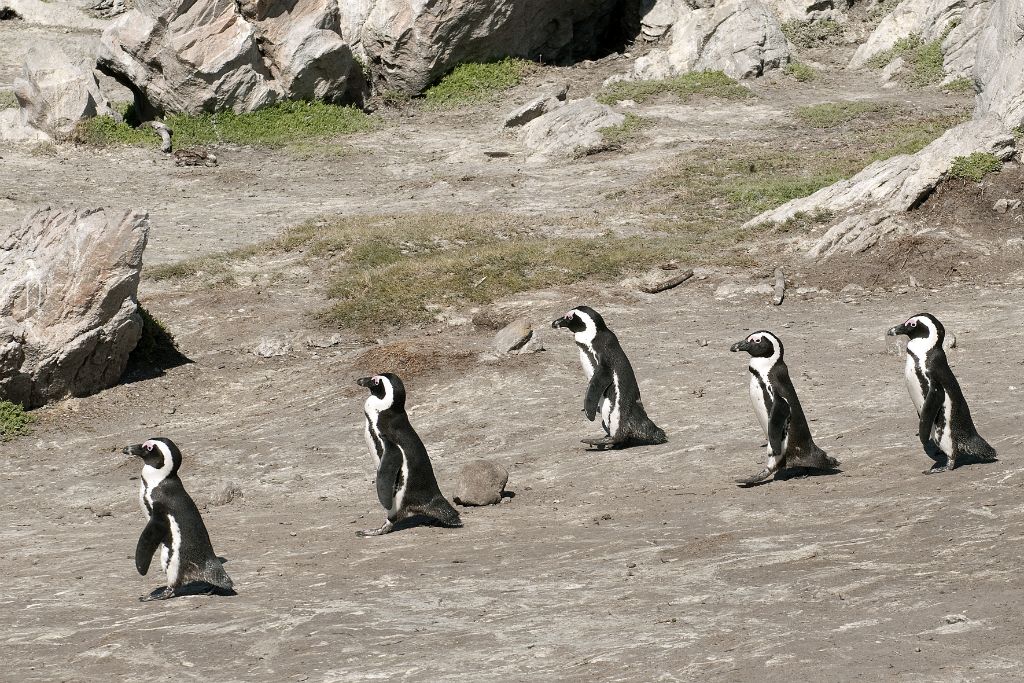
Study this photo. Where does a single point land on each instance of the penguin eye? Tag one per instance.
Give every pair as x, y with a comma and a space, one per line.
757, 339
911, 323
570, 315
376, 381
148, 446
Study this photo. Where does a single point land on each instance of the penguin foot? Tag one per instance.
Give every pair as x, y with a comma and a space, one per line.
936, 470
385, 528
602, 444
162, 593
758, 478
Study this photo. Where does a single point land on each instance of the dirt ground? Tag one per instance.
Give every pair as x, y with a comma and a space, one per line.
639, 565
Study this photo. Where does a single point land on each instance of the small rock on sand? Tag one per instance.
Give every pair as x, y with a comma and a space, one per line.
481, 482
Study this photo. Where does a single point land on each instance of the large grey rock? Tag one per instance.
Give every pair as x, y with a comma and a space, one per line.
743, 38
573, 129
931, 20
481, 482
410, 44
871, 204
68, 286
212, 55
53, 95
46, 13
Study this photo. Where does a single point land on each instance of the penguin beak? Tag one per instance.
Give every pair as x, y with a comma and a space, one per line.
896, 331
364, 382
740, 346
560, 322
136, 450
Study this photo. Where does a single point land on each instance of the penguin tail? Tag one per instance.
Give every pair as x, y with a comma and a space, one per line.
979, 449
214, 574
441, 510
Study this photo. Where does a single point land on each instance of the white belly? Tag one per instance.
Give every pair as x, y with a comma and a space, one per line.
588, 369
913, 383
372, 446
170, 558
396, 502
944, 437
757, 400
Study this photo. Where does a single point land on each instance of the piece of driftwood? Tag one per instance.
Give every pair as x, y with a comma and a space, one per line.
780, 287
165, 134
673, 281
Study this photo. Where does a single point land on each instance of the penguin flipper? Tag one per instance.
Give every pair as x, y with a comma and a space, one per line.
599, 383
930, 411
387, 473
151, 538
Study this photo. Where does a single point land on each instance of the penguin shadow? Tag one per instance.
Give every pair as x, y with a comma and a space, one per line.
791, 473
418, 521
193, 588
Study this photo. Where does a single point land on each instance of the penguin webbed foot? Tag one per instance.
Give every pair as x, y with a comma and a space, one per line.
161, 593
603, 444
385, 528
760, 478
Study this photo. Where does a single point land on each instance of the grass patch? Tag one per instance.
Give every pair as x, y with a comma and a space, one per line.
476, 82
813, 33
275, 126
832, 114
975, 166
631, 129
923, 59
962, 84
800, 71
7, 99
706, 83
14, 420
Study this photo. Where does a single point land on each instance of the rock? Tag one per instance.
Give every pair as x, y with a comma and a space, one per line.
743, 38
410, 45
999, 64
46, 13
54, 94
272, 348
228, 493
892, 71
1005, 205
659, 16
513, 336
573, 129
481, 482
807, 10
68, 285
949, 341
215, 55
538, 106
194, 156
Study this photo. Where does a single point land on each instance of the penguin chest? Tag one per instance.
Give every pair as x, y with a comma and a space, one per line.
145, 499
916, 379
373, 442
760, 399
588, 365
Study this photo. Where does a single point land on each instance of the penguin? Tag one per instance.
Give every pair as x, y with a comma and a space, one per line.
945, 428
778, 411
405, 480
175, 527
613, 389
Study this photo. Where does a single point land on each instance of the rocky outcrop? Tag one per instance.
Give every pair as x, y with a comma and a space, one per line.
53, 95
412, 44
570, 130
743, 38
872, 204
199, 56
47, 13
955, 22
68, 285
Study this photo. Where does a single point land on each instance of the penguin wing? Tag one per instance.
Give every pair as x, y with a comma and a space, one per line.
387, 473
599, 383
778, 424
930, 410
151, 538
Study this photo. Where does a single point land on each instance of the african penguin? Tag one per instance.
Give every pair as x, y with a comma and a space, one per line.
778, 411
175, 526
406, 486
612, 389
945, 427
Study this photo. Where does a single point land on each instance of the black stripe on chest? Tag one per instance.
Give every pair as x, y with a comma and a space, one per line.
766, 390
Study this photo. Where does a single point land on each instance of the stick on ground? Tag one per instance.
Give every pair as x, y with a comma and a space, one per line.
780, 287
674, 281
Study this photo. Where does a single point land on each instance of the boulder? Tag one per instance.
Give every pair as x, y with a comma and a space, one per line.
550, 98
54, 94
68, 285
518, 337
46, 13
411, 45
216, 55
742, 38
570, 130
808, 10
481, 482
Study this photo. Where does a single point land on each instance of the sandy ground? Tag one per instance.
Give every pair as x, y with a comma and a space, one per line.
640, 565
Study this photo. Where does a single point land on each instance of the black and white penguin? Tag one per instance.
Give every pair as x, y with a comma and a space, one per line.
406, 485
175, 526
612, 390
945, 428
778, 410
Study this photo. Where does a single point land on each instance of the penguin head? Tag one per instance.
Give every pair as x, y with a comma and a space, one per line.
386, 391
159, 453
760, 344
920, 326
581, 319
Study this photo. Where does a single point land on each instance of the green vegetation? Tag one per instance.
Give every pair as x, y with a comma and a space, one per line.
813, 33
962, 84
923, 60
275, 126
800, 72
14, 420
475, 82
615, 137
880, 10
8, 100
706, 83
974, 167
832, 114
